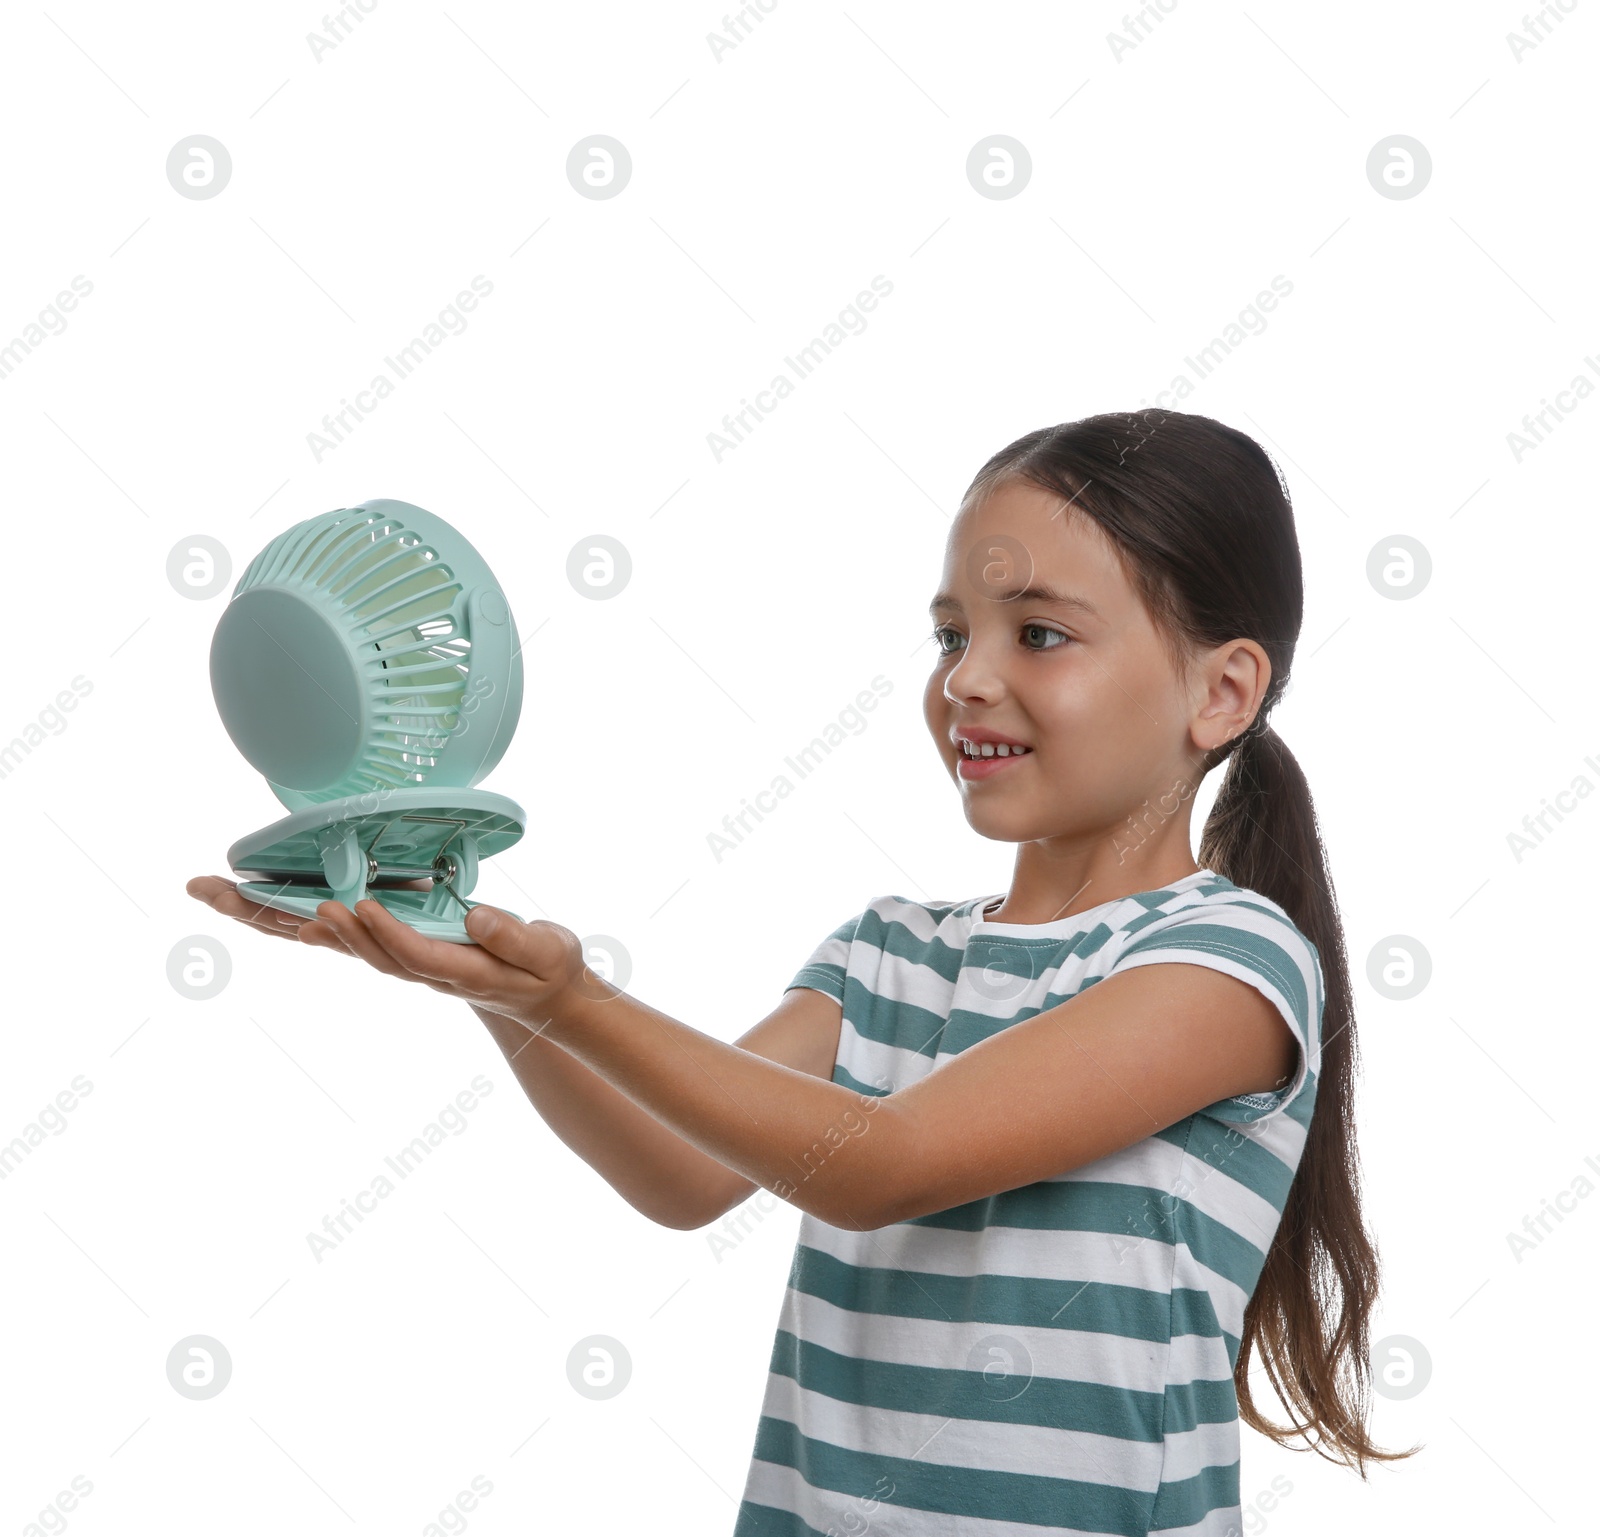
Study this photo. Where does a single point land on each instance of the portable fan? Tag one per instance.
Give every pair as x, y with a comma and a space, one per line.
368, 665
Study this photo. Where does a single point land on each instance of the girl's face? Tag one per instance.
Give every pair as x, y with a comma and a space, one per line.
1081, 678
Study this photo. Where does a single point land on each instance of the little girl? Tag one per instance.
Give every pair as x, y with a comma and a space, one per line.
1065, 1155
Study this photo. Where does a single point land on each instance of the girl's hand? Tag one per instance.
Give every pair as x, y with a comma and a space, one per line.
223, 896
525, 971
521, 970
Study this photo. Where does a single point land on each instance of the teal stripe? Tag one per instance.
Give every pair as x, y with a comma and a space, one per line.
1023, 1302
1237, 1156
764, 1521
842, 1075
1221, 1248
966, 1028
1221, 886
889, 1023
1302, 1105
1203, 1401
923, 1483
1250, 1107
1108, 1208
823, 976
1194, 1311
1255, 951
1185, 1501
1011, 1396
895, 938
1019, 952
1065, 1206
821, 970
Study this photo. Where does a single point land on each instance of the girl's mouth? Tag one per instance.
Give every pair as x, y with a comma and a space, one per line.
986, 768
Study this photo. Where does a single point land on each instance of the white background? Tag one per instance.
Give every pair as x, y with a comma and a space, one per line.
768, 188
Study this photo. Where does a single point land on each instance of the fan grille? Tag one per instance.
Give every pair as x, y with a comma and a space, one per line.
400, 607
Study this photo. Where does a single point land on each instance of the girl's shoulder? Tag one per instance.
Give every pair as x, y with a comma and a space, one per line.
1204, 902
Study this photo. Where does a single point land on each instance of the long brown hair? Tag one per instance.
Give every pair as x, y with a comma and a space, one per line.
1202, 519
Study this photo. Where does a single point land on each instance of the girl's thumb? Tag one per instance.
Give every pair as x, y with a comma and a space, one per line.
546, 950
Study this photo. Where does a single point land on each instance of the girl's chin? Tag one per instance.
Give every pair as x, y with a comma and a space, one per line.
1009, 824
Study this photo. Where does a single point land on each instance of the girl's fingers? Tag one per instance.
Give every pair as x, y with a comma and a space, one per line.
315, 932
549, 954
223, 897
348, 931
464, 969
376, 937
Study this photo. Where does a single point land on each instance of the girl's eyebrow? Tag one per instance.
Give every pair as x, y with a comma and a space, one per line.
1037, 592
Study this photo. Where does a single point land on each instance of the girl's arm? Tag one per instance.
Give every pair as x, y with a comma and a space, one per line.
649, 1165
1135, 1053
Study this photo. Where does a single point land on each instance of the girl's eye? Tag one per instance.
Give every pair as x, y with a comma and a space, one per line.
943, 633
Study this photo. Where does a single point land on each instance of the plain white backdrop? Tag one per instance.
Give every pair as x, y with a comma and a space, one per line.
371, 179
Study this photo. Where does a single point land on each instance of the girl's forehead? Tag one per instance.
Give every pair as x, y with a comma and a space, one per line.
994, 549
1043, 520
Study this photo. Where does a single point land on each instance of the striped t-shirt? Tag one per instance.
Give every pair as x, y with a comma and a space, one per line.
1057, 1358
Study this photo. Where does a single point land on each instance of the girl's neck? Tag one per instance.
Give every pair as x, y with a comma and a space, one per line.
1034, 901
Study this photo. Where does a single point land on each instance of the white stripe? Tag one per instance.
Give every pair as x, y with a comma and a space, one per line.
1211, 1190
771, 1483
1197, 1358
1073, 1355
1206, 1446
1228, 1298
1149, 1263
945, 1442
904, 980
874, 1062
1224, 1521
1152, 1162
915, 917
1281, 1135
1166, 1166
1069, 1355
1111, 1259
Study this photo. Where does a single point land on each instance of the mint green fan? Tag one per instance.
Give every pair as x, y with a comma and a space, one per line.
368, 665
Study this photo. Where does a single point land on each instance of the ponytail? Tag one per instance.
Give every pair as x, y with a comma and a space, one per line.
1262, 834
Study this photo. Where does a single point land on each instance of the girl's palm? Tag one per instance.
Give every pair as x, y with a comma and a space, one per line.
516, 972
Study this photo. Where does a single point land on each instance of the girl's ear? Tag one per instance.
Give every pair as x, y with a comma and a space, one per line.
1233, 680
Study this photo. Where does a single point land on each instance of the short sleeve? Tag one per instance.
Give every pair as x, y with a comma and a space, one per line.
1254, 940
824, 972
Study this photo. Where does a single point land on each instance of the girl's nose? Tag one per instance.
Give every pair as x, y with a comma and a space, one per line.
972, 676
